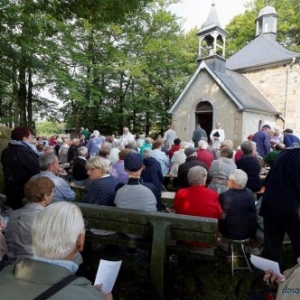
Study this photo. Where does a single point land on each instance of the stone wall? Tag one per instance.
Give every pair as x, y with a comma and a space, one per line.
204, 88
281, 85
253, 122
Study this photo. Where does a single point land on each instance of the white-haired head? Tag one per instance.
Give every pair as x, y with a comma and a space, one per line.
239, 177
83, 151
97, 162
96, 133
184, 145
197, 176
56, 230
147, 153
202, 144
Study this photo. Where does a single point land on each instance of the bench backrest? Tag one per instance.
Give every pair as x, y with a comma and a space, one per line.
181, 227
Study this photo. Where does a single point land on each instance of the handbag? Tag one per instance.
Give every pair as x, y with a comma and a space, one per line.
256, 291
56, 287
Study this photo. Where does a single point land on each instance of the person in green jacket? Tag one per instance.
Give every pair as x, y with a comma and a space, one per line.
58, 234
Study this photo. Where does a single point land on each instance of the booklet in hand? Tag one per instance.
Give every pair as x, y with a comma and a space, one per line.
216, 134
266, 264
107, 274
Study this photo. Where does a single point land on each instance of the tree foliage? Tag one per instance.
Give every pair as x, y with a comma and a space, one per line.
48, 128
241, 29
36, 36
110, 63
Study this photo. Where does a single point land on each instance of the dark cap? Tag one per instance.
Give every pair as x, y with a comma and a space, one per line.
177, 141
288, 130
133, 162
189, 151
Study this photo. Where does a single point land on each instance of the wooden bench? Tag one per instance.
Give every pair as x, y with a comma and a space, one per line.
168, 198
160, 228
79, 190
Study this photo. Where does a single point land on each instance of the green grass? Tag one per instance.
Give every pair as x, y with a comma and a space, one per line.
189, 279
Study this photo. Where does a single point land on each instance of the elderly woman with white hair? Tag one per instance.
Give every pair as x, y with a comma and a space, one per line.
204, 155
239, 214
102, 189
58, 234
277, 136
197, 200
220, 170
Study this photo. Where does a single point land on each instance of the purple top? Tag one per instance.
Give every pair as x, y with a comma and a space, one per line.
117, 170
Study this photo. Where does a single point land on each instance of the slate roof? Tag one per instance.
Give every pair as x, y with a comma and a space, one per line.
267, 10
237, 87
249, 96
260, 52
212, 22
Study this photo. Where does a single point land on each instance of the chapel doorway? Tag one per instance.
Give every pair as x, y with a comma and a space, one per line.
204, 117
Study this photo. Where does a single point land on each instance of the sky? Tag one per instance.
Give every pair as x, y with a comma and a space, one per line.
195, 12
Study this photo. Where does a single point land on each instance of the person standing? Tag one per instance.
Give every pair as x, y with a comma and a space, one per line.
262, 140
20, 163
280, 205
85, 132
217, 136
126, 137
169, 136
63, 150
289, 139
198, 134
95, 143
250, 166
73, 151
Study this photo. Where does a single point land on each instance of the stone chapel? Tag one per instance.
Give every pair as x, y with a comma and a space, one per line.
260, 84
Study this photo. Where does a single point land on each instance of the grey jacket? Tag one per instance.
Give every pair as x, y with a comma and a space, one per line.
18, 229
29, 278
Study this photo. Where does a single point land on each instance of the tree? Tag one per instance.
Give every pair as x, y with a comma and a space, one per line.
128, 74
48, 128
31, 46
241, 29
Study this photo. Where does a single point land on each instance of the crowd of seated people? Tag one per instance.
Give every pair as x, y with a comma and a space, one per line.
220, 170
121, 171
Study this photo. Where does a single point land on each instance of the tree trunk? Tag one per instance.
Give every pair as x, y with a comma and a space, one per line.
147, 123
22, 93
14, 111
30, 99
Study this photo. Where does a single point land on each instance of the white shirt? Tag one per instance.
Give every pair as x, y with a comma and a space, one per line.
125, 138
216, 141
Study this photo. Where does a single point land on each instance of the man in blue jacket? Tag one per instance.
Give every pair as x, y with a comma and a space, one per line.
262, 140
290, 140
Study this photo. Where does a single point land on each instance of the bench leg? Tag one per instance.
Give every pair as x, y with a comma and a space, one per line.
158, 258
